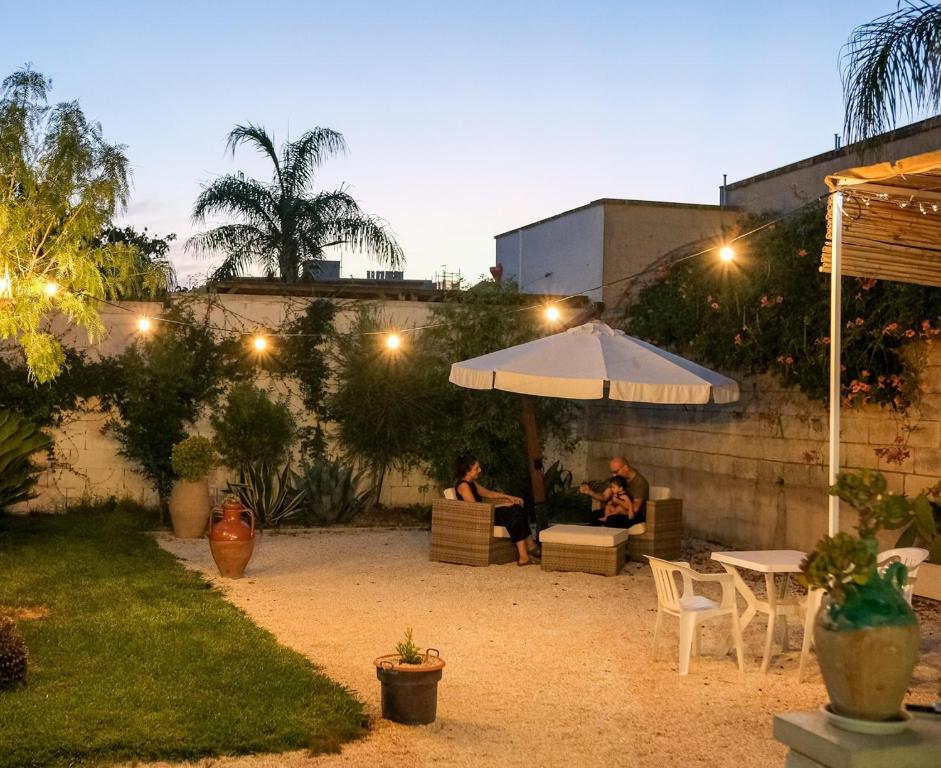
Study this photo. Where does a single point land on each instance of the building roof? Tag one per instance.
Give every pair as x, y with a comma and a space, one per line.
614, 201
857, 148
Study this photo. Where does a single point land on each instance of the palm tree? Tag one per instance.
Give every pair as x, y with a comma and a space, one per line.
282, 225
892, 66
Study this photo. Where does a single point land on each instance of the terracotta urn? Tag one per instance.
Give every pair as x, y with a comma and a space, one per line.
189, 508
867, 654
232, 539
409, 692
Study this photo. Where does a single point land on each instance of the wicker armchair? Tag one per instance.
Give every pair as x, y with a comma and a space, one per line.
462, 532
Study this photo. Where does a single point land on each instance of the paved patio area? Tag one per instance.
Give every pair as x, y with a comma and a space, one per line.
547, 669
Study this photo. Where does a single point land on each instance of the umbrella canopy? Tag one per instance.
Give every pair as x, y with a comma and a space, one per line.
579, 362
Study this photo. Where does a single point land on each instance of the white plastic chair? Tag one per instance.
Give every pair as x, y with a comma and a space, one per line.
691, 609
910, 557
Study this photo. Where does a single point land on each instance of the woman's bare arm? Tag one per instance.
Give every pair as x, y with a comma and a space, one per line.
497, 496
464, 491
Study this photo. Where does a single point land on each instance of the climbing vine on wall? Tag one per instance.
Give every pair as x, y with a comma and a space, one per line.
768, 311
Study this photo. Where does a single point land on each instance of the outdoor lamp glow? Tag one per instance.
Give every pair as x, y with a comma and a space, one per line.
726, 253
552, 314
260, 343
393, 341
51, 289
6, 285
143, 325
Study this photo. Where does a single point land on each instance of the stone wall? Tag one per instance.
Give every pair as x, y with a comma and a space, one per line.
753, 474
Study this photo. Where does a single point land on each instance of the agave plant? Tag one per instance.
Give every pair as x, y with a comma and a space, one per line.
268, 492
332, 491
19, 439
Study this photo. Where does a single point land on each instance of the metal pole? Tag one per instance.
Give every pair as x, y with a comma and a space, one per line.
836, 247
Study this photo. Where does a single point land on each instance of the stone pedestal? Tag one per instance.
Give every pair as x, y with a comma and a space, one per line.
815, 743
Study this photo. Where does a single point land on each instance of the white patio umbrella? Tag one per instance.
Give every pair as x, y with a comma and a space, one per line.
588, 362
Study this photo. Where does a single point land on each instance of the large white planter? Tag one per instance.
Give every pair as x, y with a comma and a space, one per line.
189, 508
928, 583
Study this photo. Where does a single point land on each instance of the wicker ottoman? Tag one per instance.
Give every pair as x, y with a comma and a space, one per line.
584, 548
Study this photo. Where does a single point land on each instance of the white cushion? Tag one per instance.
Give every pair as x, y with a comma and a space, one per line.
659, 493
584, 535
499, 532
450, 494
637, 530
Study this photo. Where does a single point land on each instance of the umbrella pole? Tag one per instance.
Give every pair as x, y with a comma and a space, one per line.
533, 451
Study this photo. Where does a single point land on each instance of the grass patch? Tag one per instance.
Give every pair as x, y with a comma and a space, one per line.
133, 657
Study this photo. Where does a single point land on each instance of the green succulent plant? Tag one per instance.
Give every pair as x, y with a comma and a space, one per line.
193, 457
270, 493
333, 491
19, 439
13, 654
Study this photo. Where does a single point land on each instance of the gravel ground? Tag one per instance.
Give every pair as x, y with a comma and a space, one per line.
548, 669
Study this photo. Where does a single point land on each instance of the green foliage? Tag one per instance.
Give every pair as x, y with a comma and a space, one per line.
253, 428
268, 492
408, 652
283, 226
769, 311
381, 401
131, 624
303, 356
193, 457
890, 69
153, 273
19, 439
60, 185
165, 381
484, 423
13, 654
564, 503
332, 491
838, 561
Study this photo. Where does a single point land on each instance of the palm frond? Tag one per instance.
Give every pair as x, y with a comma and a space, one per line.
237, 196
304, 156
892, 67
242, 244
366, 234
257, 135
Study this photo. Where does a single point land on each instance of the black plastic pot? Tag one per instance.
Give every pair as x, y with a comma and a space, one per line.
410, 692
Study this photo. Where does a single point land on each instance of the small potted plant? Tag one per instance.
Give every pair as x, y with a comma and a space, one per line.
409, 679
192, 459
866, 634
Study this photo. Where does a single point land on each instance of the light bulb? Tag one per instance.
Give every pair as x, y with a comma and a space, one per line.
726, 253
143, 325
260, 343
5, 285
51, 289
552, 314
393, 341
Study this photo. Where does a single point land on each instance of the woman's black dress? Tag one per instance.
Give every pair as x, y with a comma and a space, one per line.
513, 518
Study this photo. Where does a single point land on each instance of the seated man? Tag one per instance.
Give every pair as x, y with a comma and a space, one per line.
630, 511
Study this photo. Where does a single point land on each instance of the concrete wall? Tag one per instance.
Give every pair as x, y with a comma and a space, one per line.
793, 185
87, 460
753, 474
638, 233
561, 255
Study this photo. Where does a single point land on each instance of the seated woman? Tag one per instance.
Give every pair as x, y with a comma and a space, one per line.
508, 510
620, 510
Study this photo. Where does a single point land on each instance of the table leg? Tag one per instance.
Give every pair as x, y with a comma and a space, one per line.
750, 598
772, 593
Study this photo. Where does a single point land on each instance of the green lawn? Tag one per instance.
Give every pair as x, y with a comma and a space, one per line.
138, 658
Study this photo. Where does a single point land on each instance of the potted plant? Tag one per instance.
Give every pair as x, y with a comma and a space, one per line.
865, 633
189, 503
409, 679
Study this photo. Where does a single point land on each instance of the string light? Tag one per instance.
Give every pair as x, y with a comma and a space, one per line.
552, 313
143, 325
6, 285
726, 253
51, 289
393, 341
260, 343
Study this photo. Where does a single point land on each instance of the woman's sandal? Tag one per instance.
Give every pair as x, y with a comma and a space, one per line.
528, 562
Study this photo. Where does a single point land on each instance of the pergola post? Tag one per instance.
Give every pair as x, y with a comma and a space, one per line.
836, 302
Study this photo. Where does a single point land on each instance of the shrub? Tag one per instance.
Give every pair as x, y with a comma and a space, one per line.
268, 492
253, 429
193, 457
13, 654
19, 439
408, 652
332, 491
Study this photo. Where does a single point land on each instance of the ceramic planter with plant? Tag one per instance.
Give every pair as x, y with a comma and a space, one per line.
409, 679
866, 634
192, 459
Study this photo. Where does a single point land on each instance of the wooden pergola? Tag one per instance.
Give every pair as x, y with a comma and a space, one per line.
883, 221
